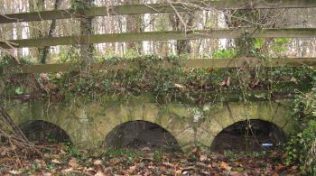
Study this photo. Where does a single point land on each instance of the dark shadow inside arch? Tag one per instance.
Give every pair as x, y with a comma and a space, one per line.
249, 135
141, 134
39, 131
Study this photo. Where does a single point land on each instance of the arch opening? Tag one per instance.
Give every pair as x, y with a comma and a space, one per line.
249, 135
40, 131
140, 134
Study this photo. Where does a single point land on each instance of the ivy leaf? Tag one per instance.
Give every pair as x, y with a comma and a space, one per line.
19, 91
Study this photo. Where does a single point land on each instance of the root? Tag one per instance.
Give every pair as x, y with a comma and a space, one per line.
13, 142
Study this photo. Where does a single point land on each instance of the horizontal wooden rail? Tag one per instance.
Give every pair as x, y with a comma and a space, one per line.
155, 8
162, 36
249, 61
188, 64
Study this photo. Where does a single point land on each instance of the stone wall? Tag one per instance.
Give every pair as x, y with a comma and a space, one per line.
88, 123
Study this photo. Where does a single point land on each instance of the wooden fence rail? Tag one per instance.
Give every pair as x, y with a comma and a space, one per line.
155, 8
188, 64
162, 36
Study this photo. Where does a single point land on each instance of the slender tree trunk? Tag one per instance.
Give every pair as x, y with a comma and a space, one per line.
43, 52
134, 24
86, 50
36, 27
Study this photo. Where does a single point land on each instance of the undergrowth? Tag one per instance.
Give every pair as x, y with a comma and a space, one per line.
301, 148
163, 78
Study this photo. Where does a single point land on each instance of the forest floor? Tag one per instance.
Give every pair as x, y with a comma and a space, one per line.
64, 160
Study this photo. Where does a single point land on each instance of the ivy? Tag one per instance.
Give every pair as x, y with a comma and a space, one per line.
301, 148
167, 80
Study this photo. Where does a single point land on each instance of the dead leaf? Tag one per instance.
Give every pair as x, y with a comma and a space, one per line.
225, 166
132, 169
44, 77
47, 174
146, 149
99, 173
55, 161
178, 172
73, 163
226, 82
4, 152
67, 170
167, 164
15, 172
196, 152
280, 168
234, 173
89, 171
115, 161
58, 75
40, 163
108, 170
203, 158
97, 162
179, 86
294, 80
13, 147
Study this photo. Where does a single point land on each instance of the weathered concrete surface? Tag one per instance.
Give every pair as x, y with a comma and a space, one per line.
87, 123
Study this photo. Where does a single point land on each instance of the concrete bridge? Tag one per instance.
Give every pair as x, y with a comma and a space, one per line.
88, 123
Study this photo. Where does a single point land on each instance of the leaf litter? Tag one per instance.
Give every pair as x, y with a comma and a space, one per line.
57, 161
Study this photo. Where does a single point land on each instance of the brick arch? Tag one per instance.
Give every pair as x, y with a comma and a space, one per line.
232, 137
224, 115
58, 115
32, 129
125, 134
173, 118
23, 113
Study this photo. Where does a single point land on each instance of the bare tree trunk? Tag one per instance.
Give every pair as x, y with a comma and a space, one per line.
86, 50
134, 24
36, 27
43, 52
86, 29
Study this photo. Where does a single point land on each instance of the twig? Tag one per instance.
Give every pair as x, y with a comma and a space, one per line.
178, 15
14, 136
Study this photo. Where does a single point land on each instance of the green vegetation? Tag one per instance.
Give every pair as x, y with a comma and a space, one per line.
301, 148
279, 45
224, 53
166, 80
70, 55
9, 60
72, 151
263, 48
130, 154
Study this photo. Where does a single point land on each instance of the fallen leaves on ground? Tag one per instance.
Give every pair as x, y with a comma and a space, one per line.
147, 162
